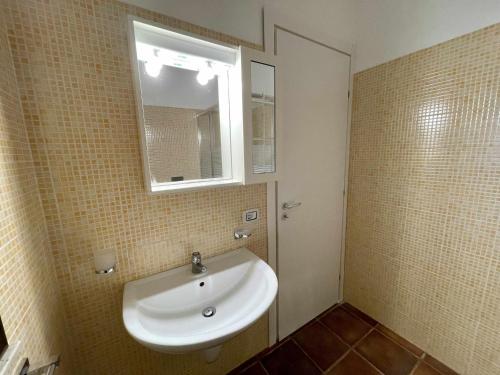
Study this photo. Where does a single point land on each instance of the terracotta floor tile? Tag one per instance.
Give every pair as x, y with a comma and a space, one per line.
243, 366
288, 359
386, 355
424, 369
320, 344
360, 314
316, 346
255, 369
441, 367
353, 364
401, 341
327, 311
347, 326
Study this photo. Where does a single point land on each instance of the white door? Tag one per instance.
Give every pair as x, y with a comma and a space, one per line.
313, 82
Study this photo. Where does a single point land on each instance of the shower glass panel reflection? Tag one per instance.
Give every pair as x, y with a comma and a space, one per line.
209, 143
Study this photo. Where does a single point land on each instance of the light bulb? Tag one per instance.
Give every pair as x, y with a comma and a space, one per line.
205, 74
153, 67
202, 78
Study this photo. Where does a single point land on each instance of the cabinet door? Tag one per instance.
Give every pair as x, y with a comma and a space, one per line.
259, 116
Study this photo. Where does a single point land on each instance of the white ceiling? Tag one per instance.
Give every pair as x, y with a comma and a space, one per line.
394, 28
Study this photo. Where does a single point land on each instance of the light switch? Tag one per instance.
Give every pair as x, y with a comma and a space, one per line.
251, 216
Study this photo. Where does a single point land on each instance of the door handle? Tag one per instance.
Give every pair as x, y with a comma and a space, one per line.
290, 204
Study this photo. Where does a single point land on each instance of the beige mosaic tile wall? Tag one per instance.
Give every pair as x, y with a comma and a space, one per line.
423, 244
75, 82
29, 298
172, 142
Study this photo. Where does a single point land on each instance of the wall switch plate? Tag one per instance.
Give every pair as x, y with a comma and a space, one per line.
251, 216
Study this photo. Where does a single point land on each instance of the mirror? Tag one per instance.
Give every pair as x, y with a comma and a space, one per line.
263, 118
181, 121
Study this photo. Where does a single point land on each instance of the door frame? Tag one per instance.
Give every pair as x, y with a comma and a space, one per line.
273, 20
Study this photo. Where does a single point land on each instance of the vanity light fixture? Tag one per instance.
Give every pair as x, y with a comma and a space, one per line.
153, 65
205, 74
155, 57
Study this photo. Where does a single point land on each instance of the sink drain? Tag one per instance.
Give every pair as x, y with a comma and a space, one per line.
208, 312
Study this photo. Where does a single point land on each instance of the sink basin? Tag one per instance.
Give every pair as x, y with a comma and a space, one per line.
177, 311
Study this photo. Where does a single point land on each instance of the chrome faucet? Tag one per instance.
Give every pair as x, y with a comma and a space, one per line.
196, 266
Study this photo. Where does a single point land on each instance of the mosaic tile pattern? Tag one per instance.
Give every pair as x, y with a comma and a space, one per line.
72, 62
29, 298
423, 244
172, 143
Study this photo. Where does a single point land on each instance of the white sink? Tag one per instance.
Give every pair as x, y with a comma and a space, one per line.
164, 311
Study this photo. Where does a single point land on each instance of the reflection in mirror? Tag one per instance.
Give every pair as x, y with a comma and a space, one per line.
182, 125
209, 142
263, 118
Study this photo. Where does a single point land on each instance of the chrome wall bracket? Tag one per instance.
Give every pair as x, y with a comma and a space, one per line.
106, 271
242, 233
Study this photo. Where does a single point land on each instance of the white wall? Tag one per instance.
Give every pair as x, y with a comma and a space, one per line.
387, 29
243, 18
177, 88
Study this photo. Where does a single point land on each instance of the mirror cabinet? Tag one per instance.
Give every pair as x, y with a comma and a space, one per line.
206, 111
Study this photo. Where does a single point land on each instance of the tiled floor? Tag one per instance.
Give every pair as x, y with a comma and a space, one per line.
343, 341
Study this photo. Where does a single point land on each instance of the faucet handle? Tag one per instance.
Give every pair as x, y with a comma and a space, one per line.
196, 266
196, 257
